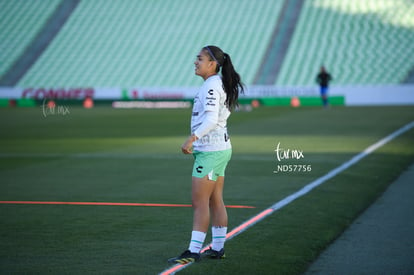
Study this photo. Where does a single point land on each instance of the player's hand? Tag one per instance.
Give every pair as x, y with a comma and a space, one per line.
187, 147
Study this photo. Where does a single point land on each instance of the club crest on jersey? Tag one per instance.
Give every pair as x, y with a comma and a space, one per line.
211, 92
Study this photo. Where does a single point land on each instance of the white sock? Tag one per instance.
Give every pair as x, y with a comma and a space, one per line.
219, 237
197, 240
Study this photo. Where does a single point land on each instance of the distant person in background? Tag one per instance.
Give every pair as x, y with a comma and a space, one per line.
323, 78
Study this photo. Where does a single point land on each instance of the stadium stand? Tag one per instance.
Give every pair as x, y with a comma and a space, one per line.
152, 43
20, 21
133, 43
277, 48
43, 38
360, 42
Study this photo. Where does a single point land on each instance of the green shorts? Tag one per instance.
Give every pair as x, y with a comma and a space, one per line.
212, 164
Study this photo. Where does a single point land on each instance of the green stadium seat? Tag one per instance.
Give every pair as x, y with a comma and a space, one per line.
134, 43
360, 42
152, 43
20, 21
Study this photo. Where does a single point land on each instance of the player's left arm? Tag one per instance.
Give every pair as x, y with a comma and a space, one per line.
211, 105
210, 101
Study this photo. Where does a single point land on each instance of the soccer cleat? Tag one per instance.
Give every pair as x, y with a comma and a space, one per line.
185, 258
214, 254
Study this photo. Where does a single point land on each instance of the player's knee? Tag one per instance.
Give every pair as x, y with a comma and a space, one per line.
216, 203
199, 204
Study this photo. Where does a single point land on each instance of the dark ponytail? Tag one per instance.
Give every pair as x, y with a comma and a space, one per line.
232, 83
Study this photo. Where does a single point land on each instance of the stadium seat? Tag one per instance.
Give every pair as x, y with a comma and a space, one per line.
20, 21
134, 43
152, 43
360, 42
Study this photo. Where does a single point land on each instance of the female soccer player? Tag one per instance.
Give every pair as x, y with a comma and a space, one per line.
210, 145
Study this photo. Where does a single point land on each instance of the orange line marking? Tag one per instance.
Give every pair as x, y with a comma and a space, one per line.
112, 204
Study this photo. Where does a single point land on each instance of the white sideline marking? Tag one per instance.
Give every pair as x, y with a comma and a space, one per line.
341, 168
306, 189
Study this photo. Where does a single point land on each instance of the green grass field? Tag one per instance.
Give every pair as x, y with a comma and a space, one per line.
109, 155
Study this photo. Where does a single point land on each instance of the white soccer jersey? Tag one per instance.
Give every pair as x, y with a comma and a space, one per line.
211, 98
